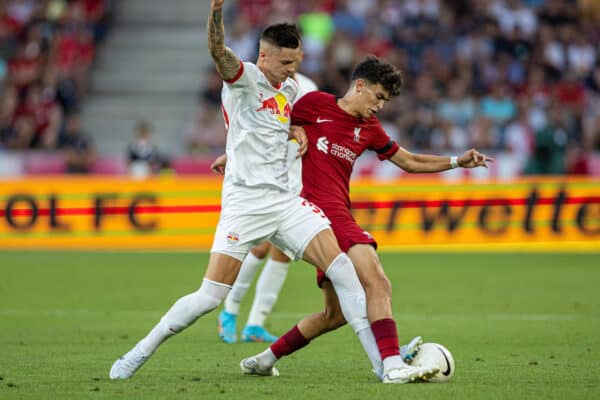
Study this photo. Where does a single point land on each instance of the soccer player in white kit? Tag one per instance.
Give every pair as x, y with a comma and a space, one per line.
257, 204
274, 273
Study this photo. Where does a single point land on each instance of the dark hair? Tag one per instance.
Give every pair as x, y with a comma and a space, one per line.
375, 71
282, 35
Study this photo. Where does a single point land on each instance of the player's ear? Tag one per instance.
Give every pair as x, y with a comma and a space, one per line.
359, 85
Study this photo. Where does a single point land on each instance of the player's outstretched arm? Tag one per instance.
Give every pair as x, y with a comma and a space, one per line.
227, 63
422, 163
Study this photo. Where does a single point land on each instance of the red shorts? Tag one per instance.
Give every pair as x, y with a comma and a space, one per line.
348, 233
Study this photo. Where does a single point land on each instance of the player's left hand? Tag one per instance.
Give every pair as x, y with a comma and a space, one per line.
218, 166
472, 158
298, 133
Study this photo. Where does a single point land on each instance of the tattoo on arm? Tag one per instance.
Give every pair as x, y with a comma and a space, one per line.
225, 59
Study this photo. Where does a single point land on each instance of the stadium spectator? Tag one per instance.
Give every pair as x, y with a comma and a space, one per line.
8, 106
41, 106
143, 155
77, 147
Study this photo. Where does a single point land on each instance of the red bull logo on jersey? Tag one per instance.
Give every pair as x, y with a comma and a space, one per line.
277, 105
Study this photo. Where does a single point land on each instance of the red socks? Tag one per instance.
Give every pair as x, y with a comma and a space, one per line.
386, 337
290, 342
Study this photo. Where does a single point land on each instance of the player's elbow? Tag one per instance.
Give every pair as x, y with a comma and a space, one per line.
409, 166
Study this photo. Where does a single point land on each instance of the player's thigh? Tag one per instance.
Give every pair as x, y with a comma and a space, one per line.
368, 268
322, 250
302, 223
222, 268
278, 255
261, 250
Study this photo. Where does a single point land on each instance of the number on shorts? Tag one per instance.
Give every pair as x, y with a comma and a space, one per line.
313, 207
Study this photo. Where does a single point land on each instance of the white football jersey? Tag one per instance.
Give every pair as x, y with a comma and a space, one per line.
257, 116
305, 85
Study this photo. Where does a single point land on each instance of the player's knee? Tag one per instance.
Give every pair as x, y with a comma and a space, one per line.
211, 294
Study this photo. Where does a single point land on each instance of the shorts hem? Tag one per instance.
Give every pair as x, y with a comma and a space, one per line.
236, 255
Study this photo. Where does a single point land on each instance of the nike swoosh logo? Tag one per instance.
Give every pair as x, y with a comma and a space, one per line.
448, 369
319, 120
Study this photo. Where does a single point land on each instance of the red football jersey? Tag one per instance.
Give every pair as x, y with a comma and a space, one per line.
335, 140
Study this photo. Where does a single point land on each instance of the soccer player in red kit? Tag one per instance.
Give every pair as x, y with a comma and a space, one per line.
339, 131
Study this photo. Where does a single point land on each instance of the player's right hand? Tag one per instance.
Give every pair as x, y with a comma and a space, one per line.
472, 158
298, 133
218, 166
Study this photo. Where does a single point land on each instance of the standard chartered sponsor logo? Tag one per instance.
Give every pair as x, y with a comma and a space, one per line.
336, 150
323, 144
343, 152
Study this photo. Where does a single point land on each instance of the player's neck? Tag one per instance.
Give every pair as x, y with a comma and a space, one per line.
345, 104
274, 82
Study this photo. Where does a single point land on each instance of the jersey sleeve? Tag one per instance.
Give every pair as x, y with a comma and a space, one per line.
247, 74
381, 143
303, 112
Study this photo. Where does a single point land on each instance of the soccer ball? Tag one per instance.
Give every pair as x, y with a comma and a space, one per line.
436, 355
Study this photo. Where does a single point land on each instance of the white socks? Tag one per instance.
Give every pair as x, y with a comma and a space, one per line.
242, 283
184, 312
393, 362
353, 302
350, 293
268, 287
367, 339
266, 359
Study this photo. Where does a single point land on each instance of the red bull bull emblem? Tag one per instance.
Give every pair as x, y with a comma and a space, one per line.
278, 106
233, 237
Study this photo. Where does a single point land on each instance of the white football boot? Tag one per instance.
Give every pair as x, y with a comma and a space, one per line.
407, 352
126, 365
250, 366
409, 373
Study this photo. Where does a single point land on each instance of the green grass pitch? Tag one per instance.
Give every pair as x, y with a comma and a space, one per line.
519, 326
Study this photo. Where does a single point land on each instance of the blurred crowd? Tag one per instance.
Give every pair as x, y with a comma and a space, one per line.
46, 50
516, 76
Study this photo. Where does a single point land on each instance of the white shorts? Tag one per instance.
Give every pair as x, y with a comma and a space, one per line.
250, 216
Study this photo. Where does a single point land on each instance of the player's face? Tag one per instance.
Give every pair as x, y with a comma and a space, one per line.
298, 61
371, 98
279, 63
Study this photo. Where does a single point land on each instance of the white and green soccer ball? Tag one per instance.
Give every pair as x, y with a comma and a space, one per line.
438, 356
